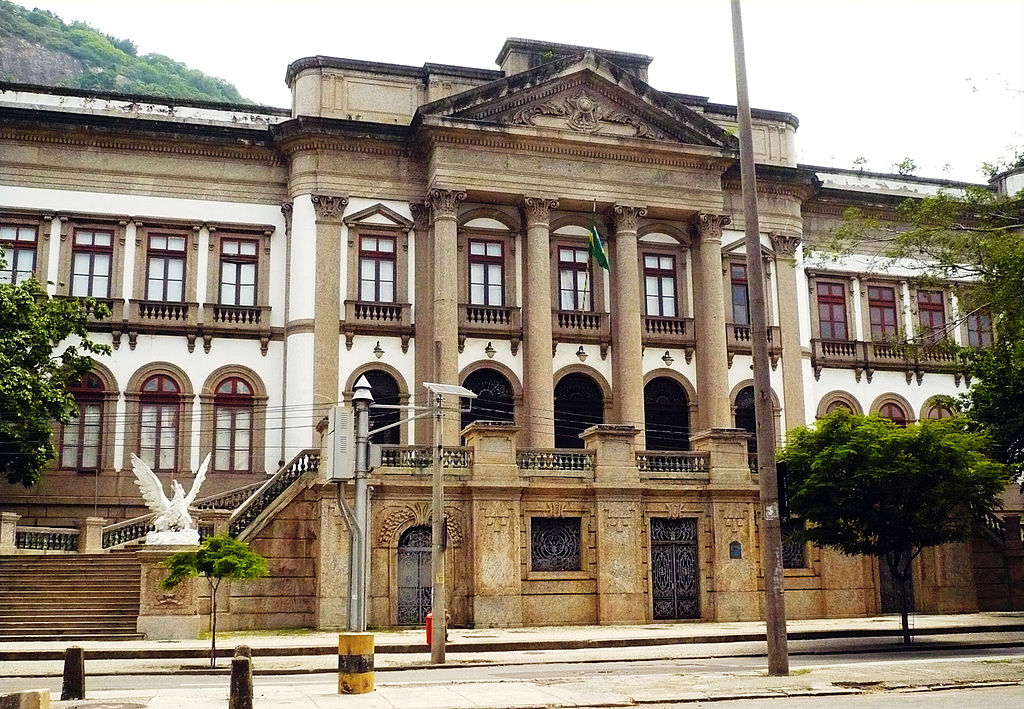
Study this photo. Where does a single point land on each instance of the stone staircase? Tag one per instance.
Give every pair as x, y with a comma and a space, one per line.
69, 597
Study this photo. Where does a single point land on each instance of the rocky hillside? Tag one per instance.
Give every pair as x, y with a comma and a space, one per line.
37, 47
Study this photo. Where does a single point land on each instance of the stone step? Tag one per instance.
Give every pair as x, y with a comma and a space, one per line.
74, 634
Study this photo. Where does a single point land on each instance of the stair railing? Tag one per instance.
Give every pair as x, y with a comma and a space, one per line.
246, 513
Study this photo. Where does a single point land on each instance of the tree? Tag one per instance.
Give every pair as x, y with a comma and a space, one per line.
218, 558
867, 486
44, 350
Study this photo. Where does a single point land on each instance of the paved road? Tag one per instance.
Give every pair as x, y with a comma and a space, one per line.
975, 698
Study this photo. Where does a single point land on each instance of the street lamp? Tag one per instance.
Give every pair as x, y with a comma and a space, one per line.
361, 400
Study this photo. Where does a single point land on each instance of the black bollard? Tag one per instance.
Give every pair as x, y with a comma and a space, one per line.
241, 683
73, 686
243, 651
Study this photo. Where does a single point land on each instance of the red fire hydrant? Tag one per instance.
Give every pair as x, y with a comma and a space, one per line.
430, 629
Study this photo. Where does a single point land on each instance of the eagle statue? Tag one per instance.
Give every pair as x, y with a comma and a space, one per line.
173, 524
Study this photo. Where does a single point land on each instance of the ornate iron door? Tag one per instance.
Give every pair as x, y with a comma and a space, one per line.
414, 588
674, 568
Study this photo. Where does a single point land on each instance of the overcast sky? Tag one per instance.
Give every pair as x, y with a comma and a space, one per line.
939, 81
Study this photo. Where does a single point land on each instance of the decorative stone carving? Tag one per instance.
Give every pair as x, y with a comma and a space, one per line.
556, 509
328, 207
619, 520
497, 518
785, 245
418, 513
444, 204
420, 216
393, 521
286, 209
584, 113
537, 210
709, 226
627, 217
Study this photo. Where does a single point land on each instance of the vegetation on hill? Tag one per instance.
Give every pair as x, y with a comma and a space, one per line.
109, 63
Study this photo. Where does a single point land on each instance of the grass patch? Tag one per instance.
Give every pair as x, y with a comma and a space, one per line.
801, 671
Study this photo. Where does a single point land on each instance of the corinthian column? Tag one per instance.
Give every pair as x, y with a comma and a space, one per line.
444, 206
627, 348
327, 311
789, 325
538, 385
712, 355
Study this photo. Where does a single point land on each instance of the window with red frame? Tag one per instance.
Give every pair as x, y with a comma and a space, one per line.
931, 314
838, 405
238, 262
233, 415
660, 285
832, 311
740, 294
18, 244
486, 269
165, 270
377, 269
893, 412
91, 256
80, 440
882, 310
979, 329
574, 282
159, 407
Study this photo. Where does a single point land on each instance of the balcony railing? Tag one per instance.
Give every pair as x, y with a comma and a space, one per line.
870, 356
555, 460
673, 462
158, 312
423, 457
237, 315
738, 336
581, 326
668, 332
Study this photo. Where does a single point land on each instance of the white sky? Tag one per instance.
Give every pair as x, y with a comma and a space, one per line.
939, 81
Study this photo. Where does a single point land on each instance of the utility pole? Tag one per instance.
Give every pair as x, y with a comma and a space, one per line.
771, 539
361, 400
437, 543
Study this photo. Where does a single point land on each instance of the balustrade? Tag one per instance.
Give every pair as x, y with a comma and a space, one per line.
554, 459
673, 462
882, 355
423, 457
46, 538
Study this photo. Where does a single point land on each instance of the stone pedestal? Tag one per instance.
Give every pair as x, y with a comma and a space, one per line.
8, 525
218, 518
614, 450
90, 535
728, 464
494, 451
167, 615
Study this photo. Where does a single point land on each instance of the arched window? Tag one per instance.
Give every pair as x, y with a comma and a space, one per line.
81, 439
666, 415
893, 412
495, 399
745, 416
579, 404
233, 417
159, 409
838, 405
385, 391
938, 411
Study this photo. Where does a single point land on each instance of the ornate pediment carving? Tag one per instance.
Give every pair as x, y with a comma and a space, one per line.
583, 112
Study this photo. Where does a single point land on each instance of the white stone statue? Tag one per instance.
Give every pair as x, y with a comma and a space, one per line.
173, 523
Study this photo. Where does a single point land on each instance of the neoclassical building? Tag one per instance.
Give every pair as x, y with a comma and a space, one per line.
430, 223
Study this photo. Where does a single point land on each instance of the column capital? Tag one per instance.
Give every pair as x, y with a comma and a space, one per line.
783, 244
286, 210
709, 226
329, 208
538, 210
444, 204
420, 215
627, 217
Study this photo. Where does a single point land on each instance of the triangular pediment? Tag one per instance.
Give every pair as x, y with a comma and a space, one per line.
379, 215
583, 94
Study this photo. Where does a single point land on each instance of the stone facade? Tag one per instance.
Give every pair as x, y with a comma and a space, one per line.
431, 223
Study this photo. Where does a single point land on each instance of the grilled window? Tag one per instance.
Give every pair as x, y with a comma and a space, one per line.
555, 544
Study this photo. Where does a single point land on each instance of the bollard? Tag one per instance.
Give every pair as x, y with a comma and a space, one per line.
243, 651
73, 686
241, 680
355, 663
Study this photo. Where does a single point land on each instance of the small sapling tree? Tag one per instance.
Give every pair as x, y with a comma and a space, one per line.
218, 558
867, 486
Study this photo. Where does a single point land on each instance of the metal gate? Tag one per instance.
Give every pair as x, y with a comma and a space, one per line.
674, 568
414, 596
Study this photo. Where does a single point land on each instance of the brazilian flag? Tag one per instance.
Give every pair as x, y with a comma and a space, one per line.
597, 251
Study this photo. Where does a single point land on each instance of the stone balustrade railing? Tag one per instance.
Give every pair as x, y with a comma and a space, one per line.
245, 514
554, 459
46, 538
423, 457
688, 462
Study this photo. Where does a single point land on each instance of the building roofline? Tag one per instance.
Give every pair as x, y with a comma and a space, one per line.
417, 72
893, 176
627, 58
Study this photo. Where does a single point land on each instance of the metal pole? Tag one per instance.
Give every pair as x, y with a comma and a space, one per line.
361, 400
771, 541
437, 543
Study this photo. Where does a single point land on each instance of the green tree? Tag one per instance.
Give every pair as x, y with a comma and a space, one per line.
44, 350
867, 486
218, 558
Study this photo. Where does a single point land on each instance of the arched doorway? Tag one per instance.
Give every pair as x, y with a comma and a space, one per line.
495, 398
666, 415
745, 416
385, 391
414, 589
579, 404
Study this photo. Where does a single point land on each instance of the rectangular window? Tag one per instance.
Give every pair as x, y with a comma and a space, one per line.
882, 309
80, 439
486, 266
832, 311
91, 256
238, 272
555, 544
19, 247
931, 314
377, 269
979, 329
159, 435
165, 272
740, 295
233, 434
574, 286
660, 285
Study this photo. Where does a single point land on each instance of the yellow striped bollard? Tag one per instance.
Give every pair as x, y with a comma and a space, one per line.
355, 663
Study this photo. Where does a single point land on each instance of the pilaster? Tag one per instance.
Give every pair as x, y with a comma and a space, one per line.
789, 327
423, 250
444, 206
329, 211
538, 382
712, 354
627, 350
